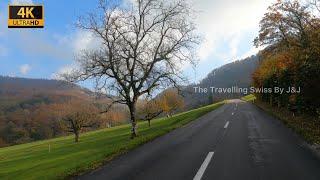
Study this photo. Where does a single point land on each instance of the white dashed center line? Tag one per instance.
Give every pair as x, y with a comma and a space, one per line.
226, 125
203, 167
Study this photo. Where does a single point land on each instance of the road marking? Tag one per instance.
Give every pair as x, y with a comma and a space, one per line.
203, 167
226, 125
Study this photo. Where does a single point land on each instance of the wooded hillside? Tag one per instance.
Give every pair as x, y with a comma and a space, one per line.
29, 109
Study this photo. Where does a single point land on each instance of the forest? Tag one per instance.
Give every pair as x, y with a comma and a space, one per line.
36, 109
290, 31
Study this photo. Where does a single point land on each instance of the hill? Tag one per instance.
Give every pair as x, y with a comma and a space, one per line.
27, 107
28, 113
21, 92
235, 74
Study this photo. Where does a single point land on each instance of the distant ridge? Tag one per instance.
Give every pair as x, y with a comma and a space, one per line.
237, 73
29, 107
26, 87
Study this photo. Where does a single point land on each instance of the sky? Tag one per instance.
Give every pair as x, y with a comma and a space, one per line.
227, 27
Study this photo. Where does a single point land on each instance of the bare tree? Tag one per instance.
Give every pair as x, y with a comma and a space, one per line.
144, 45
76, 122
76, 116
149, 109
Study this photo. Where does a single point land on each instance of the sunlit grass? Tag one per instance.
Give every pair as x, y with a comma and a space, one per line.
249, 97
34, 161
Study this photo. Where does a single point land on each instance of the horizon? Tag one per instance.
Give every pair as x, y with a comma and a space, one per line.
85, 85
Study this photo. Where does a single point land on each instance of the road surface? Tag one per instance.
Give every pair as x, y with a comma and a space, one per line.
237, 141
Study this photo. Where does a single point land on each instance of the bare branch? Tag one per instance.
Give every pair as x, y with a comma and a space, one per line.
143, 45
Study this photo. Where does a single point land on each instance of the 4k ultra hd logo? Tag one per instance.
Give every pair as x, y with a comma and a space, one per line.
25, 16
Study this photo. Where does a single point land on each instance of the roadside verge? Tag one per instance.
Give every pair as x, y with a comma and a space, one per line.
306, 127
61, 158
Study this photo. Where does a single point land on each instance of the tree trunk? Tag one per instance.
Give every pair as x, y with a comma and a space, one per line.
133, 128
149, 122
76, 137
132, 109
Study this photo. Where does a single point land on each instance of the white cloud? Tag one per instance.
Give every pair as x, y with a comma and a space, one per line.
206, 47
219, 22
24, 69
233, 45
63, 70
227, 22
251, 52
75, 42
66, 69
84, 40
78, 40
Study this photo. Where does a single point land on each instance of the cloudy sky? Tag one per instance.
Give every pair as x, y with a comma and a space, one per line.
227, 26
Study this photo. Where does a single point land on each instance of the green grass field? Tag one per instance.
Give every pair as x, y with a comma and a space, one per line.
66, 158
249, 98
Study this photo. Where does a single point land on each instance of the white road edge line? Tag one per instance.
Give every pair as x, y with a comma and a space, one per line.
226, 125
203, 167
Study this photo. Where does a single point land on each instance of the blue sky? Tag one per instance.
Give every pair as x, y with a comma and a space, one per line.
228, 28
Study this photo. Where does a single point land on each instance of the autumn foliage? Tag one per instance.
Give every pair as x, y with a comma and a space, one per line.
290, 30
165, 104
42, 114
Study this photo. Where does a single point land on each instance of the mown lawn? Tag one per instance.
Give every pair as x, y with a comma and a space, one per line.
66, 158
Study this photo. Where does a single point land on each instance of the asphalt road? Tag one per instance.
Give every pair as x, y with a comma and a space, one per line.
237, 141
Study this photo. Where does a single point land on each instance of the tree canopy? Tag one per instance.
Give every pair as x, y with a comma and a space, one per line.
144, 43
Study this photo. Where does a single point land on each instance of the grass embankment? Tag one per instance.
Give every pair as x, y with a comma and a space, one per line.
306, 126
249, 98
66, 158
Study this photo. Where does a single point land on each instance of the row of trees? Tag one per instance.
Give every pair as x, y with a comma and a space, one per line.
290, 30
74, 116
77, 116
31, 122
